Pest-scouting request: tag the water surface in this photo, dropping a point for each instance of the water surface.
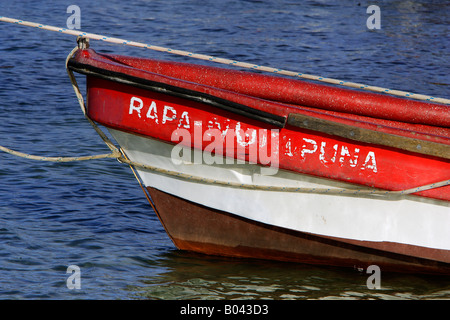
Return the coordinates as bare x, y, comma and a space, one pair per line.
94, 214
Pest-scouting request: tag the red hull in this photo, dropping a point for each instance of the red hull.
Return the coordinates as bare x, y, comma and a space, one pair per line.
158, 112
300, 93
339, 135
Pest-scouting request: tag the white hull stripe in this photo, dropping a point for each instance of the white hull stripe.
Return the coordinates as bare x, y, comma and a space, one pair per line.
402, 219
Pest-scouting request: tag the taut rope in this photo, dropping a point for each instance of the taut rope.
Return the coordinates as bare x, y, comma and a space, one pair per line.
226, 61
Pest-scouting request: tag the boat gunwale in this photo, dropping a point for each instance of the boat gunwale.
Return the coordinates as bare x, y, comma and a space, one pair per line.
295, 117
160, 87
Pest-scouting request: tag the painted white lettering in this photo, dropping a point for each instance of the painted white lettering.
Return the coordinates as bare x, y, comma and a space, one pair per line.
134, 107
335, 147
152, 112
344, 153
288, 151
322, 152
313, 144
354, 161
214, 124
166, 117
370, 162
184, 120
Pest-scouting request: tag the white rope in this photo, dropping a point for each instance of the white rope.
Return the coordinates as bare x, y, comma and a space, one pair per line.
226, 61
114, 154
80, 99
57, 159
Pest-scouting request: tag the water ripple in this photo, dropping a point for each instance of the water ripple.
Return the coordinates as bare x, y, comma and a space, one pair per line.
94, 214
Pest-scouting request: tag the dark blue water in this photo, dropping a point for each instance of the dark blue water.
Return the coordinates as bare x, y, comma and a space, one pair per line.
94, 214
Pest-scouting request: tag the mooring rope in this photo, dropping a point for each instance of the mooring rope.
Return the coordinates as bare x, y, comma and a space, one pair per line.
115, 153
246, 65
121, 156
57, 159
73, 81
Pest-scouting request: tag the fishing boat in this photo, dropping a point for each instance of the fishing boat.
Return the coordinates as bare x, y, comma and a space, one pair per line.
250, 165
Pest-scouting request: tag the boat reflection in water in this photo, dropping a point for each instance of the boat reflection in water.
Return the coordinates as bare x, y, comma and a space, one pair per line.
191, 276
